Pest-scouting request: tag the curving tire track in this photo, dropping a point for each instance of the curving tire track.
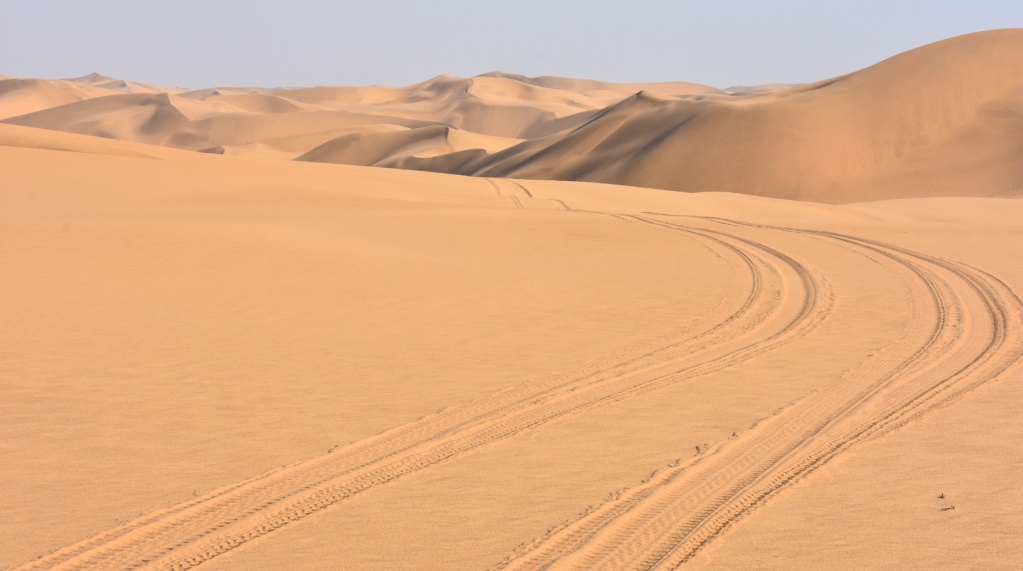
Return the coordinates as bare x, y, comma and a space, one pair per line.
972, 330
520, 186
493, 184
518, 193
781, 301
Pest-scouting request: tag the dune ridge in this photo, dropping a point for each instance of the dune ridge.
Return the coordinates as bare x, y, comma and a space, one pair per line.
944, 119
24, 96
253, 120
884, 132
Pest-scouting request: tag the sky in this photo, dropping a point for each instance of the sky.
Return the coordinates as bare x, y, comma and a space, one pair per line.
188, 43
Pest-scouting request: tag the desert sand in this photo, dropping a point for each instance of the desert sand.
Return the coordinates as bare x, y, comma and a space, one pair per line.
274, 354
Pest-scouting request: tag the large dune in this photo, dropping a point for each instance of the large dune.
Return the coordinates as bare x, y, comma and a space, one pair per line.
290, 122
891, 130
942, 120
23, 96
394, 148
26, 137
96, 79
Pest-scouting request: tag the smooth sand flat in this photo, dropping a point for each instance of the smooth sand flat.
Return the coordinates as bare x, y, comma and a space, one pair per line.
152, 337
262, 364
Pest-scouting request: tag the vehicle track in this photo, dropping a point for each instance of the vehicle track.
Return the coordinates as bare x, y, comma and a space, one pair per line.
781, 300
971, 332
520, 186
493, 184
514, 198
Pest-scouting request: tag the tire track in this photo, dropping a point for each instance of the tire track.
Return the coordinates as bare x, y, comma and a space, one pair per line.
665, 520
520, 186
512, 198
494, 186
784, 301
561, 203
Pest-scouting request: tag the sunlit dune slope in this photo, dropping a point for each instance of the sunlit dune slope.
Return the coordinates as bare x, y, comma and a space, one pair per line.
942, 120
105, 82
23, 96
27, 137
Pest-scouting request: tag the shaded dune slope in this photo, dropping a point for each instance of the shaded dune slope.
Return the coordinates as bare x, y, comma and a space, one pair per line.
22, 96
945, 119
890, 130
398, 148
145, 118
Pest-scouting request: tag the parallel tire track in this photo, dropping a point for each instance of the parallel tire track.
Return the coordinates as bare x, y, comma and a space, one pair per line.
784, 301
524, 189
972, 330
494, 186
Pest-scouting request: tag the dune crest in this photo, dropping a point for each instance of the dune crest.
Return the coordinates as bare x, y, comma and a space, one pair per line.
889, 131
939, 120
23, 96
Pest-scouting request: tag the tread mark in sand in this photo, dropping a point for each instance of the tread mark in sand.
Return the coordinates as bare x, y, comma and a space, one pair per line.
783, 301
665, 520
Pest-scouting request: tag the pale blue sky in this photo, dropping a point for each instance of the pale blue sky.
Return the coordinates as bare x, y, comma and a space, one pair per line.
196, 44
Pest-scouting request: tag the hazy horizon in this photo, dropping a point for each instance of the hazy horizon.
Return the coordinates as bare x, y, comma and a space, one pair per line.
196, 45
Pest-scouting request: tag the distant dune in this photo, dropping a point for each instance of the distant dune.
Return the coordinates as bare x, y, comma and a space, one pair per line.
892, 130
399, 147
23, 96
105, 82
25, 137
945, 119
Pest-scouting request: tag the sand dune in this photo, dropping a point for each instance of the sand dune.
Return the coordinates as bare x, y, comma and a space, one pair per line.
26, 137
497, 105
218, 91
760, 89
166, 119
392, 148
23, 96
596, 88
241, 120
485, 105
940, 120
105, 82
262, 103
832, 141
234, 360
142, 117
